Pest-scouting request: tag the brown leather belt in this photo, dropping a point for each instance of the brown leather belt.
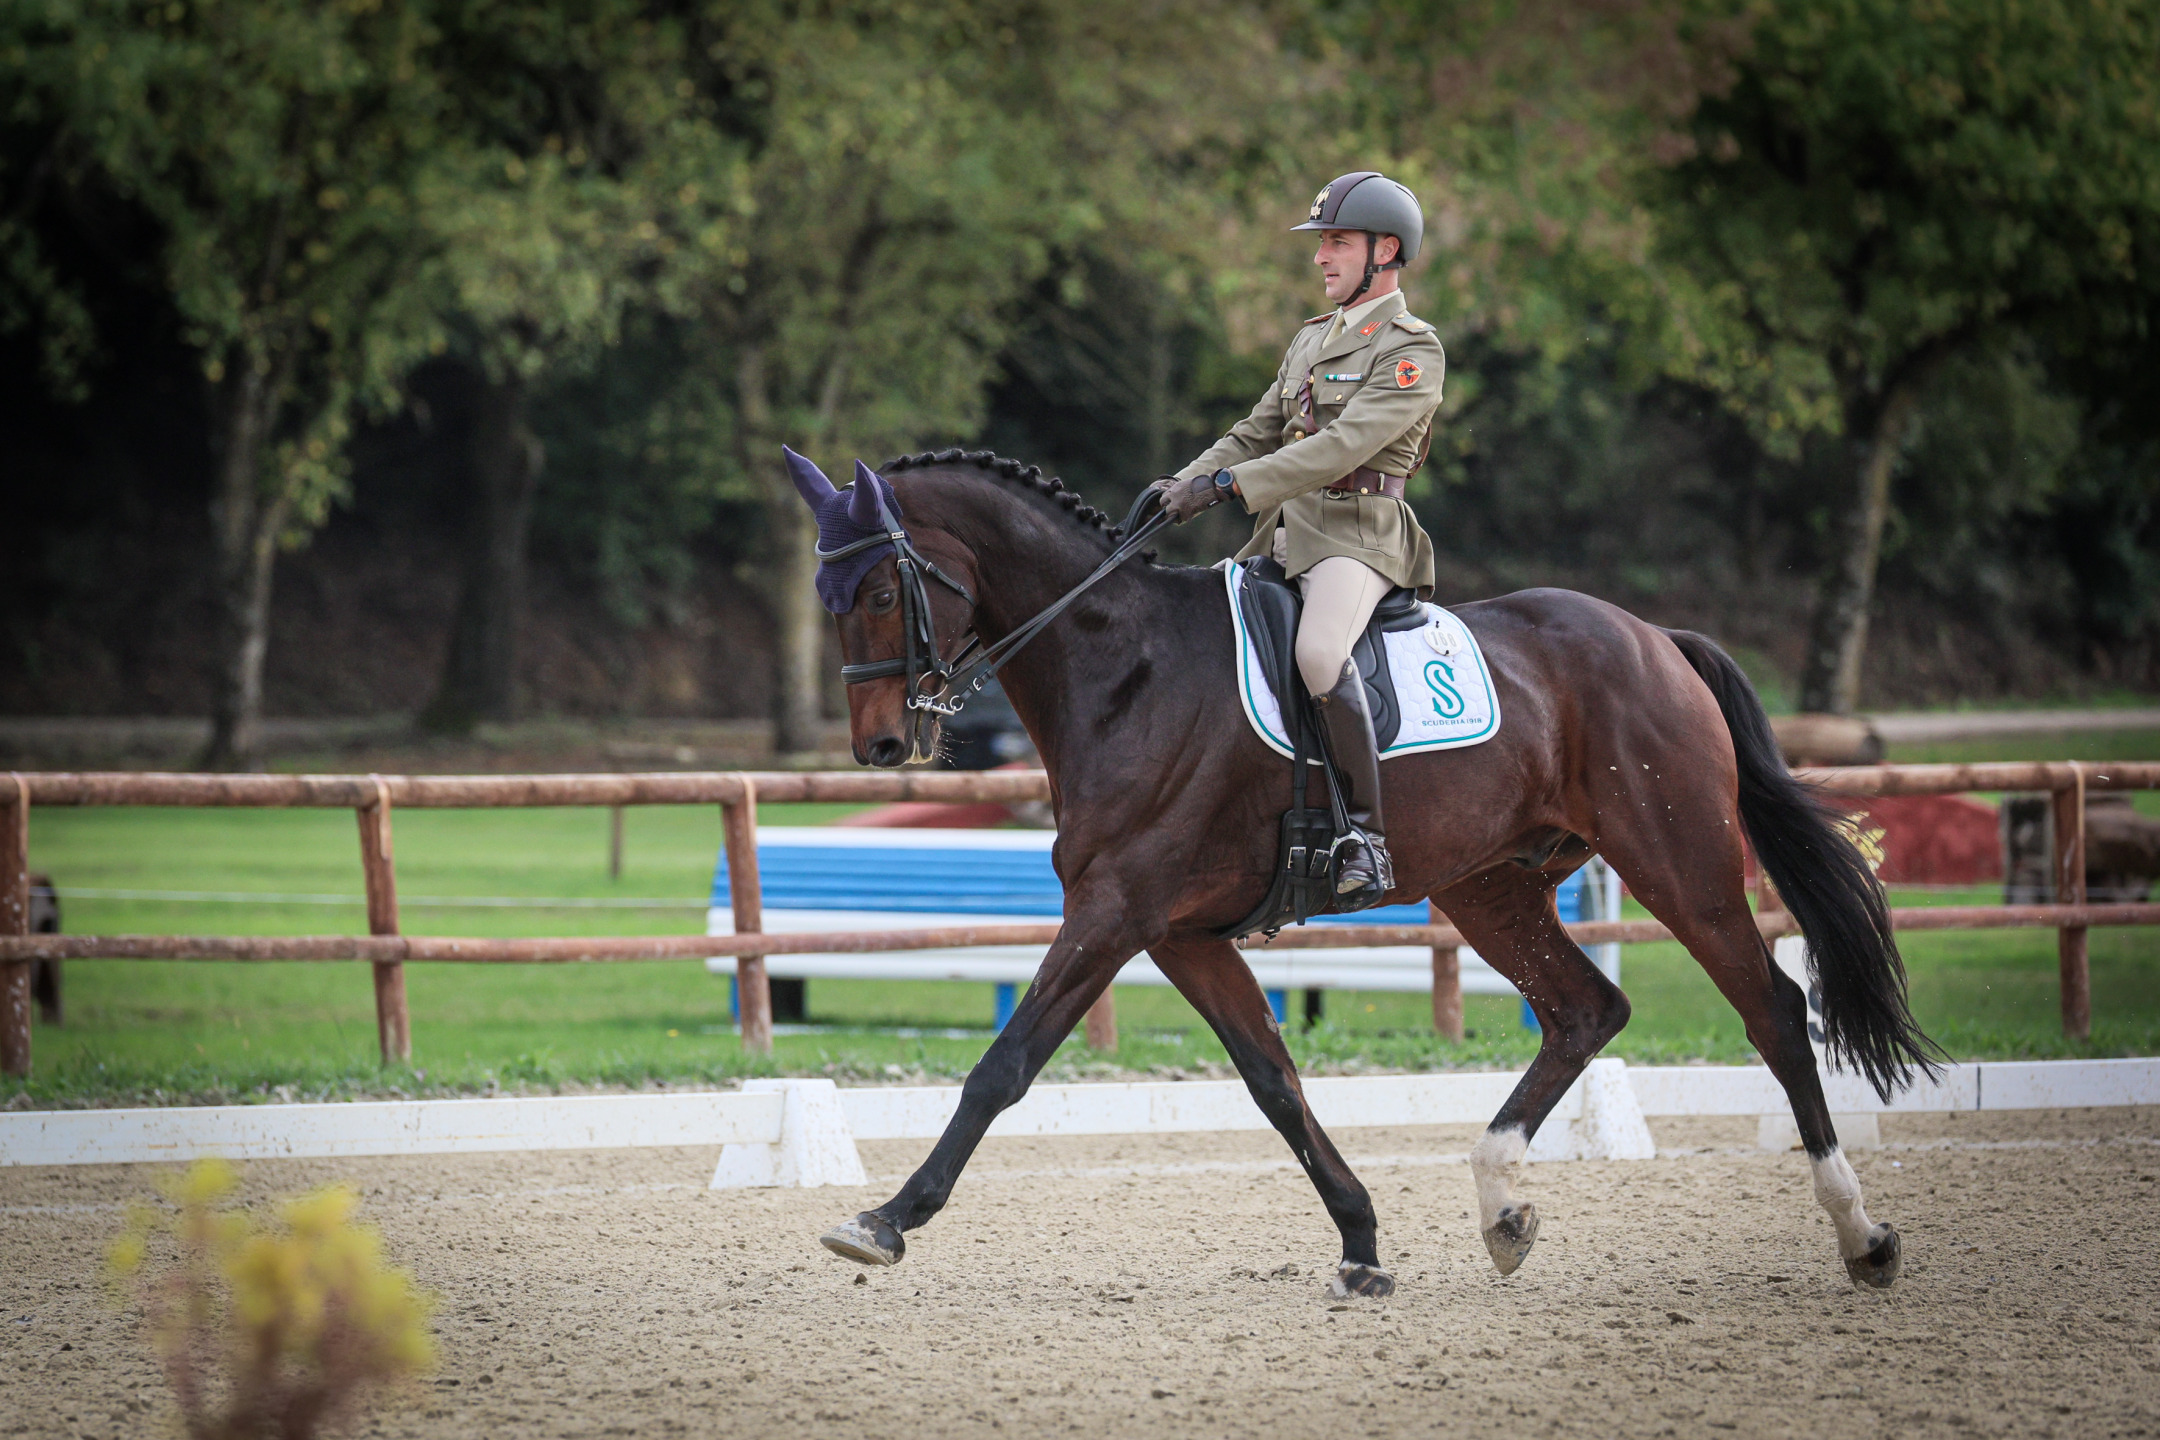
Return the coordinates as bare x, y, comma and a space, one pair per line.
1367, 481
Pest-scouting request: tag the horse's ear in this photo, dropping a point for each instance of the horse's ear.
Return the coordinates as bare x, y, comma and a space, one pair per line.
863, 505
810, 482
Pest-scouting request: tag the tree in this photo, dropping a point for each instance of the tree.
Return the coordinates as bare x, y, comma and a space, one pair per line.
1886, 186
581, 175
912, 171
271, 152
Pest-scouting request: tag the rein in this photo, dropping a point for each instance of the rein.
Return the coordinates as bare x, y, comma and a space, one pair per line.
938, 689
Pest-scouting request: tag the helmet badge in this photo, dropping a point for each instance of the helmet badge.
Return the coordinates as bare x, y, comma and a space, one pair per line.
1320, 201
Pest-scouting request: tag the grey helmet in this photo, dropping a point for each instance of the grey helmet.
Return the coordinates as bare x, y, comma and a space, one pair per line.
1367, 200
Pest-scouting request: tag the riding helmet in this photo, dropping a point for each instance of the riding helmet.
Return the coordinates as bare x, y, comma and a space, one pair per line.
1369, 201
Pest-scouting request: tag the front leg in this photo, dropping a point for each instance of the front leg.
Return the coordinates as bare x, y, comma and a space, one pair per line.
1215, 979
1097, 939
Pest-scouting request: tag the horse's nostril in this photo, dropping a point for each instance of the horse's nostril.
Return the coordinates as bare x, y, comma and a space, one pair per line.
887, 752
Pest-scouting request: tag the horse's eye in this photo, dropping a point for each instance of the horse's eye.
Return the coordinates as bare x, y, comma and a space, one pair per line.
882, 602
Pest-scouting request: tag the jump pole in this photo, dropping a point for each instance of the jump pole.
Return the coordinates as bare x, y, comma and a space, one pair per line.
2071, 948
1447, 1021
753, 990
1102, 1022
378, 866
15, 920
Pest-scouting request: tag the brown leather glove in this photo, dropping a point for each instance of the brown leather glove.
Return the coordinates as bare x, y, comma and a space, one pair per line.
1183, 499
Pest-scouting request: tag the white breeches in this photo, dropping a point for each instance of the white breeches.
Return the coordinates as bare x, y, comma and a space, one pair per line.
1340, 594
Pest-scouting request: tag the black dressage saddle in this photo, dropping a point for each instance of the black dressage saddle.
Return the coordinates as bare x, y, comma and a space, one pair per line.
1304, 879
1271, 606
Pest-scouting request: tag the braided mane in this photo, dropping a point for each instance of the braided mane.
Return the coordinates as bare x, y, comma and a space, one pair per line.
1014, 473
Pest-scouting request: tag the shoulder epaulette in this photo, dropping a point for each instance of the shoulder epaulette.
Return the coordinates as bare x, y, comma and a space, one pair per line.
1411, 323
1323, 315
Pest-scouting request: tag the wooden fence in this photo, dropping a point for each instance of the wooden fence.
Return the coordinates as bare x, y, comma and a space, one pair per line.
373, 798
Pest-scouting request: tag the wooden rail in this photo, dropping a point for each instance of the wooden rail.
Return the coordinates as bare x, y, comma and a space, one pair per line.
388, 949
373, 798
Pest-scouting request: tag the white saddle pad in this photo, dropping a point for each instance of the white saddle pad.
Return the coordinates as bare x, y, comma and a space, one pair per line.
1441, 683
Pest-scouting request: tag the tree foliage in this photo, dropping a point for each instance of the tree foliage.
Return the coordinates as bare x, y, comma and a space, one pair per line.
1814, 285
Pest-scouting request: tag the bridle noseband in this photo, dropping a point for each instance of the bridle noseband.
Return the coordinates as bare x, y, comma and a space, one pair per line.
938, 689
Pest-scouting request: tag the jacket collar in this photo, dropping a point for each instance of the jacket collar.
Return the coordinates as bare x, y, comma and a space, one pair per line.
1359, 333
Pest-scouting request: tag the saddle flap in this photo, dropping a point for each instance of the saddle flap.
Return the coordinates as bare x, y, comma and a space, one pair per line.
1270, 606
1272, 603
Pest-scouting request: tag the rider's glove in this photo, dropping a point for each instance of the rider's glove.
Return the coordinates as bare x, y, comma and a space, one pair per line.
1183, 499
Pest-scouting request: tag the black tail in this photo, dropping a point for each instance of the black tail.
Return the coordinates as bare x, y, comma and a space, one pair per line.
1826, 883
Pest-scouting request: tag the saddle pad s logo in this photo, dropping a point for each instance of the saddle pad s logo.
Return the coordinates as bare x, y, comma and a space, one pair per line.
1406, 373
1447, 701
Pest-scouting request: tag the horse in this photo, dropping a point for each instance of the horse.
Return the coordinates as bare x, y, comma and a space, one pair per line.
1644, 745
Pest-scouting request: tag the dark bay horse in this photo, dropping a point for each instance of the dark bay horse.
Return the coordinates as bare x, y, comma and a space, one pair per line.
1618, 738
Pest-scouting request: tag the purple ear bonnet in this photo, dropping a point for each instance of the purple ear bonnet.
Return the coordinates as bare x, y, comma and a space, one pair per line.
843, 517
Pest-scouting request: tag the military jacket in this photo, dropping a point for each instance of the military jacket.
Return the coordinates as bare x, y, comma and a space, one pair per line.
1375, 393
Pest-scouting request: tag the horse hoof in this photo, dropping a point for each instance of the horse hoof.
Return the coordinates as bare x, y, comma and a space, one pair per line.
1509, 1238
1885, 1258
1369, 1281
869, 1238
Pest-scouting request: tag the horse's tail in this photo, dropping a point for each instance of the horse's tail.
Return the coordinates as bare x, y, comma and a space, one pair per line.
1806, 846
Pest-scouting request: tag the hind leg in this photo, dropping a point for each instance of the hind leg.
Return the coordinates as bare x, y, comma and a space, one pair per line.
1210, 974
1697, 891
1507, 913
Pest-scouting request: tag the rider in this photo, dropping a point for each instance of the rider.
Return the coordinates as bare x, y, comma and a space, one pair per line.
1321, 463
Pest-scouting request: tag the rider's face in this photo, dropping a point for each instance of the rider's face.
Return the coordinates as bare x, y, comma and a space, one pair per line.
1341, 258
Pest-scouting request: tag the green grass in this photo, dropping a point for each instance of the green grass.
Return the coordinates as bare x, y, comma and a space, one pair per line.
152, 1032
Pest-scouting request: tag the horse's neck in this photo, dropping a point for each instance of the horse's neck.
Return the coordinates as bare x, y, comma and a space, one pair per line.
1061, 683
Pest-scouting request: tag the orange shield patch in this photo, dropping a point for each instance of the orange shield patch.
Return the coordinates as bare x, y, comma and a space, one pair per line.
1406, 373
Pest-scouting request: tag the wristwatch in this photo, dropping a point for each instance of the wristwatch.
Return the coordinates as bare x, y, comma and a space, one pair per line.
1225, 480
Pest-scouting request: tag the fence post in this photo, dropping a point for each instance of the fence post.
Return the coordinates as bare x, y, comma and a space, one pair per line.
745, 895
15, 920
393, 1021
1102, 1022
1446, 982
2070, 941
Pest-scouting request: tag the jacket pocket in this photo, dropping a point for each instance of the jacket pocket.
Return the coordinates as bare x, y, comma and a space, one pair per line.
1334, 394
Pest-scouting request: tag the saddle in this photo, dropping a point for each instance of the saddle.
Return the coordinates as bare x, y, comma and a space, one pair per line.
1272, 604
1304, 877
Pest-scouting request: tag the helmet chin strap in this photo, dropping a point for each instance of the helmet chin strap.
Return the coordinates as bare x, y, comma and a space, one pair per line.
1371, 270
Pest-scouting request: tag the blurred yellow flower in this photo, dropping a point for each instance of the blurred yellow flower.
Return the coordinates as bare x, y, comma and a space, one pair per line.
300, 1311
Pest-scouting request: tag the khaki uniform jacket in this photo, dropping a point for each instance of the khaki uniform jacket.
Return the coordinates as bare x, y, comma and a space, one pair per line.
1375, 391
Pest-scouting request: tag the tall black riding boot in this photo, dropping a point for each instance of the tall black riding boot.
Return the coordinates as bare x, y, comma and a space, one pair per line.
1366, 873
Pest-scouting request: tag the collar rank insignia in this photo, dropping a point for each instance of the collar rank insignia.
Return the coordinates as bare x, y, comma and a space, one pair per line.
1372, 327
1406, 374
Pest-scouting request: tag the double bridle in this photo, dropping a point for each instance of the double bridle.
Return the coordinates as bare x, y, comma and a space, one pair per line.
937, 688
